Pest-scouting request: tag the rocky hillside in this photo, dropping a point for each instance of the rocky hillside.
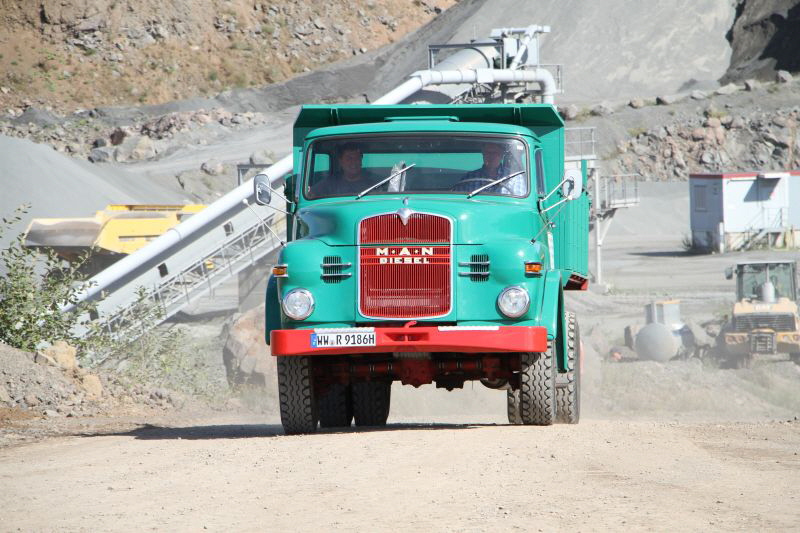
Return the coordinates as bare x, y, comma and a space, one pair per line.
88, 53
738, 127
765, 37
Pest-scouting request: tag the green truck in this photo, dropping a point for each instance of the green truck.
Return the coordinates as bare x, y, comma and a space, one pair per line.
427, 244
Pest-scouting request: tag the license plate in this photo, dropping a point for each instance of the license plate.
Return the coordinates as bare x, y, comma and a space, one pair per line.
342, 339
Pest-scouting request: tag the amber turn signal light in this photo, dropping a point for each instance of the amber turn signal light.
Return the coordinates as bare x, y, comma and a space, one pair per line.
280, 271
532, 267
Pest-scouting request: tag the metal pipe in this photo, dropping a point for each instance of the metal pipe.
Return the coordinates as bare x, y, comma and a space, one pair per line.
424, 78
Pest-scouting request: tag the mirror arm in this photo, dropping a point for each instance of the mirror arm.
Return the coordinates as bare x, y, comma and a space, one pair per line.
282, 197
558, 203
264, 222
556, 188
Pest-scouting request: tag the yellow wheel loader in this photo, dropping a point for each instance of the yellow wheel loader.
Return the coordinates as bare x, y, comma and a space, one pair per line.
765, 318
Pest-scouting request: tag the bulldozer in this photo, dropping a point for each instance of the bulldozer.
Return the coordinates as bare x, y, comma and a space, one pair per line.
765, 319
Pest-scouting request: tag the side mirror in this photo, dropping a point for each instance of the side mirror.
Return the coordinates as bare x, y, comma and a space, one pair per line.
262, 189
729, 273
572, 186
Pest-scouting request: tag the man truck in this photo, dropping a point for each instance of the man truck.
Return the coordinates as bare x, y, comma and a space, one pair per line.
427, 244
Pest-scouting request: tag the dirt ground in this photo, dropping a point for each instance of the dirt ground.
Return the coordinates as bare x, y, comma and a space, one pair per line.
236, 475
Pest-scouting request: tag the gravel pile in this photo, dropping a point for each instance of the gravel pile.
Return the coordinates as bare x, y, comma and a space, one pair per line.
37, 384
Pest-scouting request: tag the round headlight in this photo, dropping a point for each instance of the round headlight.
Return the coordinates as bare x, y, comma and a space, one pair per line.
298, 304
514, 302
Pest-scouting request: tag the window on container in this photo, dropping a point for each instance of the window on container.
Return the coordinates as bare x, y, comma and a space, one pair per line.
700, 201
539, 173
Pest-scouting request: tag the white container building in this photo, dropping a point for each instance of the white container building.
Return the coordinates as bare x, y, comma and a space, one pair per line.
738, 211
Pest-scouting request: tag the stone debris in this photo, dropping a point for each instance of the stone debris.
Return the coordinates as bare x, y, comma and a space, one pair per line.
63, 354
783, 76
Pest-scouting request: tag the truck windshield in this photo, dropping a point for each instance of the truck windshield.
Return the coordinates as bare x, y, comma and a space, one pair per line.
752, 277
441, 164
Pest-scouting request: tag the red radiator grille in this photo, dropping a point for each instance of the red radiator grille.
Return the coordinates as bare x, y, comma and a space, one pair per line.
404, 280
420, 228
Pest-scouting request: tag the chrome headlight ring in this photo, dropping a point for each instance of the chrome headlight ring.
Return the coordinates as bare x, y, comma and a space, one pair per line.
514, 301
298, 304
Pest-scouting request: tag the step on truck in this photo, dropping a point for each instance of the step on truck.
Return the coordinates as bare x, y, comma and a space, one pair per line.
427, 244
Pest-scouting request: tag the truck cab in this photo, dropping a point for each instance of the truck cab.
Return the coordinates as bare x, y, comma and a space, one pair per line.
427, 244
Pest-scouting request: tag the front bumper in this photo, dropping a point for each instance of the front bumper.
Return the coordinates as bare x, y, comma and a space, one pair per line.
462, 339
764, 342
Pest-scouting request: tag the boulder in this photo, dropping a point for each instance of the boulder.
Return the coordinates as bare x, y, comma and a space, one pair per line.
698, 95
783, 76
712, 122
752, 85
698, 134
92, 385
135, 148
737, 122
262, 157
212, 167
31, 400
727, 89
667, 99
62, 354
602, 109
636, 103
569, 112
245, 354
100, 155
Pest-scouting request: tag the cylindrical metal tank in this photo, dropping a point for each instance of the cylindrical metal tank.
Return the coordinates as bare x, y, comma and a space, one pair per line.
655, 342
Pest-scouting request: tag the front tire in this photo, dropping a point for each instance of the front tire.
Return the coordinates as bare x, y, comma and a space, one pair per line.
296, 395
568, 388
538, 387
371, 401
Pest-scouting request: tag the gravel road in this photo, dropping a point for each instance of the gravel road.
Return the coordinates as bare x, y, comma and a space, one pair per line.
243, 476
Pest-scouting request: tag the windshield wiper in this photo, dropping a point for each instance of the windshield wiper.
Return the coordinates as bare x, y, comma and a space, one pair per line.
495, 182
384, 180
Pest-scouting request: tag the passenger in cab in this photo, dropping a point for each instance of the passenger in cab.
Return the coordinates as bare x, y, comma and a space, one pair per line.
498, 161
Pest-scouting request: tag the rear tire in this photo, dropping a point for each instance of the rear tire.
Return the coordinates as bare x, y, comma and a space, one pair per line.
537, 392
568, 386
335, 407
512, 406
296, 394
371, 400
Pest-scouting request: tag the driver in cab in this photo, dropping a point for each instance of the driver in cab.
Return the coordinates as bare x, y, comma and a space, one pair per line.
497, 163
348, 176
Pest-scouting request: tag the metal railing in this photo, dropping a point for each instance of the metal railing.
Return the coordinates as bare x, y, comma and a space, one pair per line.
767, 222
616, 191
239, 251
580, 143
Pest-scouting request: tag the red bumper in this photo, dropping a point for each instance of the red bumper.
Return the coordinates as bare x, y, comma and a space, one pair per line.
464, 339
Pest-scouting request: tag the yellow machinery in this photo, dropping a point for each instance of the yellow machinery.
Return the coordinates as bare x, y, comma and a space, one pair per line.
765, 318
112, 233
